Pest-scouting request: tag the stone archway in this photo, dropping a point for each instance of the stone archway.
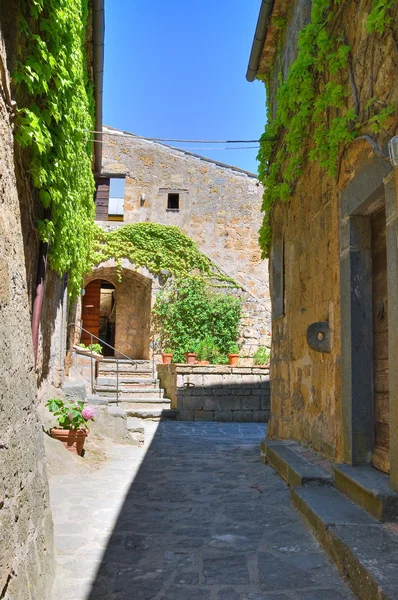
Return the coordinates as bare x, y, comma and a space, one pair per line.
133, 294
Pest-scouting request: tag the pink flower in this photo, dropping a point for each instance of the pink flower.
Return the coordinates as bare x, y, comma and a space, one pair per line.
88, 413
70, 416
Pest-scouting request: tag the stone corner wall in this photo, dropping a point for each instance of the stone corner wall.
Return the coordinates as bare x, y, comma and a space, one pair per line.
26, 548
217, 392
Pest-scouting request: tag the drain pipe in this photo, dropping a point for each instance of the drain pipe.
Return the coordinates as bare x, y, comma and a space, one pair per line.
39, 296
259, 38
98, 73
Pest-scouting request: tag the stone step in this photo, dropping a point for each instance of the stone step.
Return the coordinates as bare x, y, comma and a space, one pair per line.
136, 430
127, 382
131, 393
141, 403
145, 405
363, 549
285, 457
154, 414
369, 488
147, 375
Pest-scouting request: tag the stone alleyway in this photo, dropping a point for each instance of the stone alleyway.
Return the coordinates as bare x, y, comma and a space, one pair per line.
193, 516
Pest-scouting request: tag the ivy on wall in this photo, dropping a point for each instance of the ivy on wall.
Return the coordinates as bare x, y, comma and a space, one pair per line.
317, 111
187, 312
156, 247
56, 111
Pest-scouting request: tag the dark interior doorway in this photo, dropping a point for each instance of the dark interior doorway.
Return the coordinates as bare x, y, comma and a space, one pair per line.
99, 314
107, 316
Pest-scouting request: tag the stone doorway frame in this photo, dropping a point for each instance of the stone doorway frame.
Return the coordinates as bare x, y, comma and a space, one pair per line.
372, 185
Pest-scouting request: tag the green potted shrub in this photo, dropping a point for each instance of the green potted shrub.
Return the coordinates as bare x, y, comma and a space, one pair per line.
72, 423
190, 354
233, 354
206, 350
262, 356
167, 355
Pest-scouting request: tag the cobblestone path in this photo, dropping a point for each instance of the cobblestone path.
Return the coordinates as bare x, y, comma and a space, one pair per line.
201, 518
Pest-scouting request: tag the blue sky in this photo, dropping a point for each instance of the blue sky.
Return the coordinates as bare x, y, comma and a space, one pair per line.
177, 69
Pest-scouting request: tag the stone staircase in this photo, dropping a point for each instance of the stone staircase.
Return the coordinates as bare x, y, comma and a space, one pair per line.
140, 395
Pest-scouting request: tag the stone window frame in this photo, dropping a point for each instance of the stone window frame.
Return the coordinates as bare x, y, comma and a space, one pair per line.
372, 186
181, 193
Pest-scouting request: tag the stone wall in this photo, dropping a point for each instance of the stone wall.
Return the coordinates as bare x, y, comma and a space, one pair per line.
306, 398
219, 205
134, 299
26, 546
217, 392
219, 209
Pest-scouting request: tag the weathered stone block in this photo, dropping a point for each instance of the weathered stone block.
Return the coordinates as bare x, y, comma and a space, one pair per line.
250, 403
223, 416
204, 415
243, 416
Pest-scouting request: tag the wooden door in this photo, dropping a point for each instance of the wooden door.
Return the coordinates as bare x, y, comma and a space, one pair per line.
381, 450
91, 310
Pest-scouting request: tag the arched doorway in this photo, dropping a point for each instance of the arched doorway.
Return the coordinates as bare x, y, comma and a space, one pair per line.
99, 314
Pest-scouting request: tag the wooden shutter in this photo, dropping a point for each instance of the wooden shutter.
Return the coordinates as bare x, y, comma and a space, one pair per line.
102, 199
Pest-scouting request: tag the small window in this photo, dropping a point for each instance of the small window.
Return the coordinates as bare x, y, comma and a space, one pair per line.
116, 199
173, 201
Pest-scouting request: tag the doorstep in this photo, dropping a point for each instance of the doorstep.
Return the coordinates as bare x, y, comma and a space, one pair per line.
369, 488
344, 506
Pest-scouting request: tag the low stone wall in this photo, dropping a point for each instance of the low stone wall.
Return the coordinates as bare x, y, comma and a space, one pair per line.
217, 392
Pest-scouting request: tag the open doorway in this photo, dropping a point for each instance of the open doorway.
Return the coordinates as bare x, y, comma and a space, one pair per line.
99, 314
107, 316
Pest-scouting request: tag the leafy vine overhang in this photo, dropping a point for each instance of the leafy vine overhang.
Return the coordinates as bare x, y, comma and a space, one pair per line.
55, 112
316, 110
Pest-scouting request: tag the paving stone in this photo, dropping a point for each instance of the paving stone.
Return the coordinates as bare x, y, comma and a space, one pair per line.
193, 515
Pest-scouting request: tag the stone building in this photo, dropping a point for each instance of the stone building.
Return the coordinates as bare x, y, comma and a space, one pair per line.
26, 529
216, 205
333, 250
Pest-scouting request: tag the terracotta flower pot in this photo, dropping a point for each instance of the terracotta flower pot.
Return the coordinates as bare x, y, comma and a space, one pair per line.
202, 362
166, 357
72, 439
233, 359
190, 358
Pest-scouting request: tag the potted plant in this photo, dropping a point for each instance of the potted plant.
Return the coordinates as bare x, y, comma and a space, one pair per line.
72, 423
190, 355
233, 354
167, 355
205, 350
262, 356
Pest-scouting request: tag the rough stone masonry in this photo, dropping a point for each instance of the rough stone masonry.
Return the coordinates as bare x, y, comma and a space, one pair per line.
26, 537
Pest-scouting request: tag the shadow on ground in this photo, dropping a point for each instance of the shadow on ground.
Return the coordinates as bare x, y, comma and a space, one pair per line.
204, 519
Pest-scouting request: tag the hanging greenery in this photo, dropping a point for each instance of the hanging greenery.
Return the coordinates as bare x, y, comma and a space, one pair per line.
56, 111
316, 110
156, 247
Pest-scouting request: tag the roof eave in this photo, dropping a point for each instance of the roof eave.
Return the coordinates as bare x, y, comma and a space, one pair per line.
259, 38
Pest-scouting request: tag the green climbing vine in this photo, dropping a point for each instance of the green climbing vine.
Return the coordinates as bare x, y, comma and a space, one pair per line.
317, 111
158, 248
56, 111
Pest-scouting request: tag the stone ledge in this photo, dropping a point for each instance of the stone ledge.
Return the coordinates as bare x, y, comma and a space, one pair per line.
292, 466
361, 548
183, 368
369, 488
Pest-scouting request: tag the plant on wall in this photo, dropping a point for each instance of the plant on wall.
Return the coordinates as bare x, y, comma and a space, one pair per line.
159, 248
56, 112
316, 111
187, 312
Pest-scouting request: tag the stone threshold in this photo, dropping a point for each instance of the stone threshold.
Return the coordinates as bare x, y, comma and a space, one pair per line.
345, 507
